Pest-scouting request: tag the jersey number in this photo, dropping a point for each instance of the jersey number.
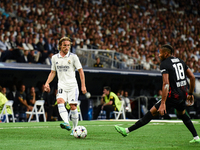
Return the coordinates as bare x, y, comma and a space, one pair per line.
179, 71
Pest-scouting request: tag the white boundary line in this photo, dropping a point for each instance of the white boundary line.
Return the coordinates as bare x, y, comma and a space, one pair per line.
120, 120
163, 121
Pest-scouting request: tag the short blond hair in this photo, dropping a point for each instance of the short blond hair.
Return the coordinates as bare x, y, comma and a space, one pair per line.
63, 39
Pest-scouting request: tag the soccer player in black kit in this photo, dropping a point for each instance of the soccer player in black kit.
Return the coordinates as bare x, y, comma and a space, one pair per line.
175, 94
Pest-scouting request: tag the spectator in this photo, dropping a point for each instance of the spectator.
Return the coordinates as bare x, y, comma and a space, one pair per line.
43, 51
123, 64
81, 46
3, 100
31, 96
73, 47
48, 59
19, 43
35, 47
29, 44
12, 93
127, 109
24, 58
20, 104
41, 94
147, 65
98, 63
48, 46
31, 57
109, 103
24, 45
3, 91
3, 51
54, 43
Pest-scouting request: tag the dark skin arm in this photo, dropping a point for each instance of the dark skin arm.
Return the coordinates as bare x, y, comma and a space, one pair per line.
165, 90
190, 98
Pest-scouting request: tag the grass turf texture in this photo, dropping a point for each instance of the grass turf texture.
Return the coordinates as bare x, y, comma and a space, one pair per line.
101, 136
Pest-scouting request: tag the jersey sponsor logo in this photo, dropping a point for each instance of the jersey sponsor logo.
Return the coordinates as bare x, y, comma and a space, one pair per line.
62, 68
175, 60
181, 83
72, 100
56, 62
162, 70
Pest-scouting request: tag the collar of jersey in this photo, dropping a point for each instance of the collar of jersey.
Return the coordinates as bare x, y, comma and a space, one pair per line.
67, 55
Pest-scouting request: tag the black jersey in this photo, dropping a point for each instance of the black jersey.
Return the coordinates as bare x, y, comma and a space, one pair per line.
176, 68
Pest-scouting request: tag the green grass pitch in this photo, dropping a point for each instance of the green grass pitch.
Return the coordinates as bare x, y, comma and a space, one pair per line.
101, 136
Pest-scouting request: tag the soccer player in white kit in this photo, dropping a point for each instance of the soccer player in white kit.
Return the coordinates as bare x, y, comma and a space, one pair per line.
65, 63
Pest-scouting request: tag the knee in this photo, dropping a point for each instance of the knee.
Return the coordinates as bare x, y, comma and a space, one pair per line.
60, 101
185, 118
73, 106
181, 114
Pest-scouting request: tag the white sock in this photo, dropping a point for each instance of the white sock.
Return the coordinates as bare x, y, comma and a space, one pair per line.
196, 137
127, 131
74, 117
63, 113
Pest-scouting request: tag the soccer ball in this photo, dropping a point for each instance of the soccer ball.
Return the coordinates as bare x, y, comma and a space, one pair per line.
87, 95
80, 132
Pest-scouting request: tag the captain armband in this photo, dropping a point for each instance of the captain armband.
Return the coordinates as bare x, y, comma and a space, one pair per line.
167, 86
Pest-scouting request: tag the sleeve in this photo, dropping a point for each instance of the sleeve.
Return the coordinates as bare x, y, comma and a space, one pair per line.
112, 98
53, 66
77, 62
163, 68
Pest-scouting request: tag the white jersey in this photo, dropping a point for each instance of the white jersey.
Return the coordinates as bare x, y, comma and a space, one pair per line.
65, 67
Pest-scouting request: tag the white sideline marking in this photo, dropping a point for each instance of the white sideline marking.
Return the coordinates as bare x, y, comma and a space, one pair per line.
155, 122
25, 127
162, 121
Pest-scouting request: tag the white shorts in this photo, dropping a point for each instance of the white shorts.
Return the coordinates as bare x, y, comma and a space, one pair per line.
68, 96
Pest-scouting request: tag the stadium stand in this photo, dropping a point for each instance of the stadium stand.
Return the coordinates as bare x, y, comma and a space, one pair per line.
124, 34
133, 28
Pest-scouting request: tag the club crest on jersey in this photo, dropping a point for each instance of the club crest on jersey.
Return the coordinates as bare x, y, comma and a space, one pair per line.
56, 62
69, 62
72, 100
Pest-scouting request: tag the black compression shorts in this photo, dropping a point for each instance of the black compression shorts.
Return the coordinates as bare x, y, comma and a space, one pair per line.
179, 105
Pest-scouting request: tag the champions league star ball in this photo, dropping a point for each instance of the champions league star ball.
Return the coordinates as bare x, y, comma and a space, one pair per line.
80, 132
87, 95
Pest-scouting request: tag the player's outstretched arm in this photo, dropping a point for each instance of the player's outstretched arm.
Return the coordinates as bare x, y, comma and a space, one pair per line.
82, 77
165, 90
51, 76
190, 98
191, 76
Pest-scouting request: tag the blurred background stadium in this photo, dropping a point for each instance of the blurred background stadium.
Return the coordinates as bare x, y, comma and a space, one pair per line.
125, 35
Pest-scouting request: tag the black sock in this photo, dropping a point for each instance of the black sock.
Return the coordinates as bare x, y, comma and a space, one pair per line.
144, 120
188, 123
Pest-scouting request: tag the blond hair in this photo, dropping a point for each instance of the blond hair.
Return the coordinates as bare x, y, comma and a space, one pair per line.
63, 39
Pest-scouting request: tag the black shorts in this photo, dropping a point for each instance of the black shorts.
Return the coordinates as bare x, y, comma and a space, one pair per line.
179, 105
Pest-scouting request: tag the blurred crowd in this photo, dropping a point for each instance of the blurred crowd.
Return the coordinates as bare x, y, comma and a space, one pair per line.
30, 29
